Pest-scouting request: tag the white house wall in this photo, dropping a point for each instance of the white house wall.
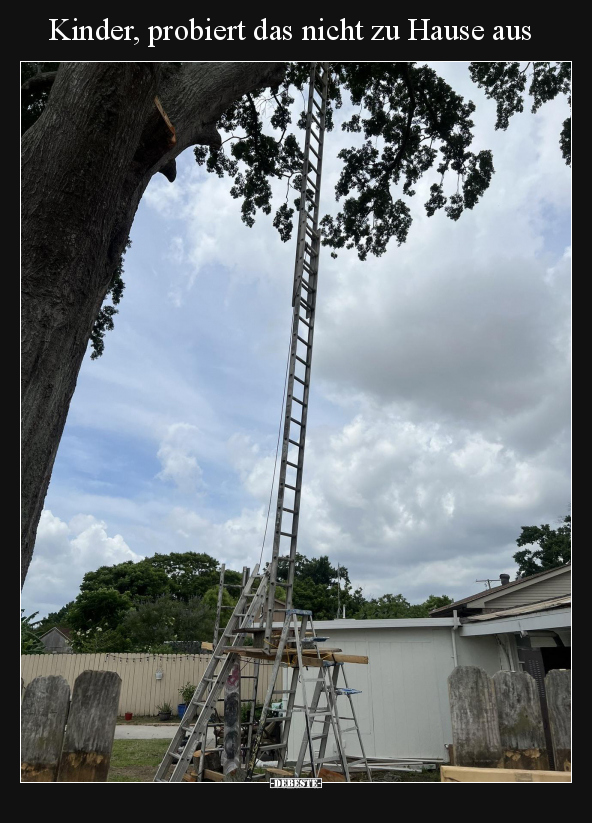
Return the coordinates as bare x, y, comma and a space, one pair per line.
403, 710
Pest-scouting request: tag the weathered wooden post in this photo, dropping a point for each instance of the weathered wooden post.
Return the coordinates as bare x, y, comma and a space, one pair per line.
231, 756
520, 721
558, 688
475, 731
43, 719
91, 727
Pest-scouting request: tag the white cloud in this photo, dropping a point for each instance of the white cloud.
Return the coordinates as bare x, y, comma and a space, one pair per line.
177, 455
64, 552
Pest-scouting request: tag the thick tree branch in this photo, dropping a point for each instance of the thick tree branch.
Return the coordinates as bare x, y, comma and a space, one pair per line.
38, 81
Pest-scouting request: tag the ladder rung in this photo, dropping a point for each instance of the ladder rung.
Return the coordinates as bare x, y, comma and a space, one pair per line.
294, 465
351, 728
313, 711
307, 286
314, 185
299, 380
287, 485
302, 403
313, 133
311, 165
306, 343
317, 121
286, 534
302, 320
284, 691
301, 360
318, 105
319, 736
293, 419
286, 509
313, 151
272, 746
294, 442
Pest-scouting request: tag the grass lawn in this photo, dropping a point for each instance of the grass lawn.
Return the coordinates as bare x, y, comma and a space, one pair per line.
135, 761
148, 720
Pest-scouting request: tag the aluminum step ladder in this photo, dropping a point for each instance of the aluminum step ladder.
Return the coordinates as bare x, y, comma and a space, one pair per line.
193, 726
328, 685
295, 640
304, 297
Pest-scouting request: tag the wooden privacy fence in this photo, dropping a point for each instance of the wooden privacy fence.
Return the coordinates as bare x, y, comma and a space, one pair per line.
141, 691
497, 721
69, 742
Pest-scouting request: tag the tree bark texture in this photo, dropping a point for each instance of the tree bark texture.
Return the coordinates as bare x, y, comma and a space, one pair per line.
85, 166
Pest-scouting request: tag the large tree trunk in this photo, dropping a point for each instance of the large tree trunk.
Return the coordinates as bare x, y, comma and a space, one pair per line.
86, 163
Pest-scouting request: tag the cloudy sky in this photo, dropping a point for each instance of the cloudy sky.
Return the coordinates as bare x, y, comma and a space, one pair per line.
439, 410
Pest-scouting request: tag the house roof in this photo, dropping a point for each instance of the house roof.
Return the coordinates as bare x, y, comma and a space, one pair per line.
542, 605
494, 591
63, 630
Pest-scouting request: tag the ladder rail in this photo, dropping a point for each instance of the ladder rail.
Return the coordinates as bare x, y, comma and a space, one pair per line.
205, 696
307, 258
219, 605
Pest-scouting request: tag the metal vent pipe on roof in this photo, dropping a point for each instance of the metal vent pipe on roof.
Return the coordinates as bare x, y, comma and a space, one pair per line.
505, 579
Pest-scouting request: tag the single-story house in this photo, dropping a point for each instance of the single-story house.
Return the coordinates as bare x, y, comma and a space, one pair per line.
57, 640
403, 710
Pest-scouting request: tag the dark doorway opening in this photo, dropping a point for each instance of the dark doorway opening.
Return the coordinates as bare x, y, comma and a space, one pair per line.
558, 657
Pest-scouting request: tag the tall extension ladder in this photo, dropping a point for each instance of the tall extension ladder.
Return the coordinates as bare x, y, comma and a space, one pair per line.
192, 730
303, 319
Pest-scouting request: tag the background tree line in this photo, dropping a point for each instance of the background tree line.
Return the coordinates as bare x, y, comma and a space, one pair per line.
137, 607
144, 606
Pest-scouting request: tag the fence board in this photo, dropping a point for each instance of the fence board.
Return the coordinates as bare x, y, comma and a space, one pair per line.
520, 721
43, 717
453, 774
91, 727
142, 694
558, 688
473, 709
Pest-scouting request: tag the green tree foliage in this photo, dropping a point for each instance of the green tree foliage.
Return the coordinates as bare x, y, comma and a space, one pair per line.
554, 547
506, 84
393, 606
55, 619
104, 321
182, 575
30, 642
140, 607
413, 123
103, 608
320, 587
149, 626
